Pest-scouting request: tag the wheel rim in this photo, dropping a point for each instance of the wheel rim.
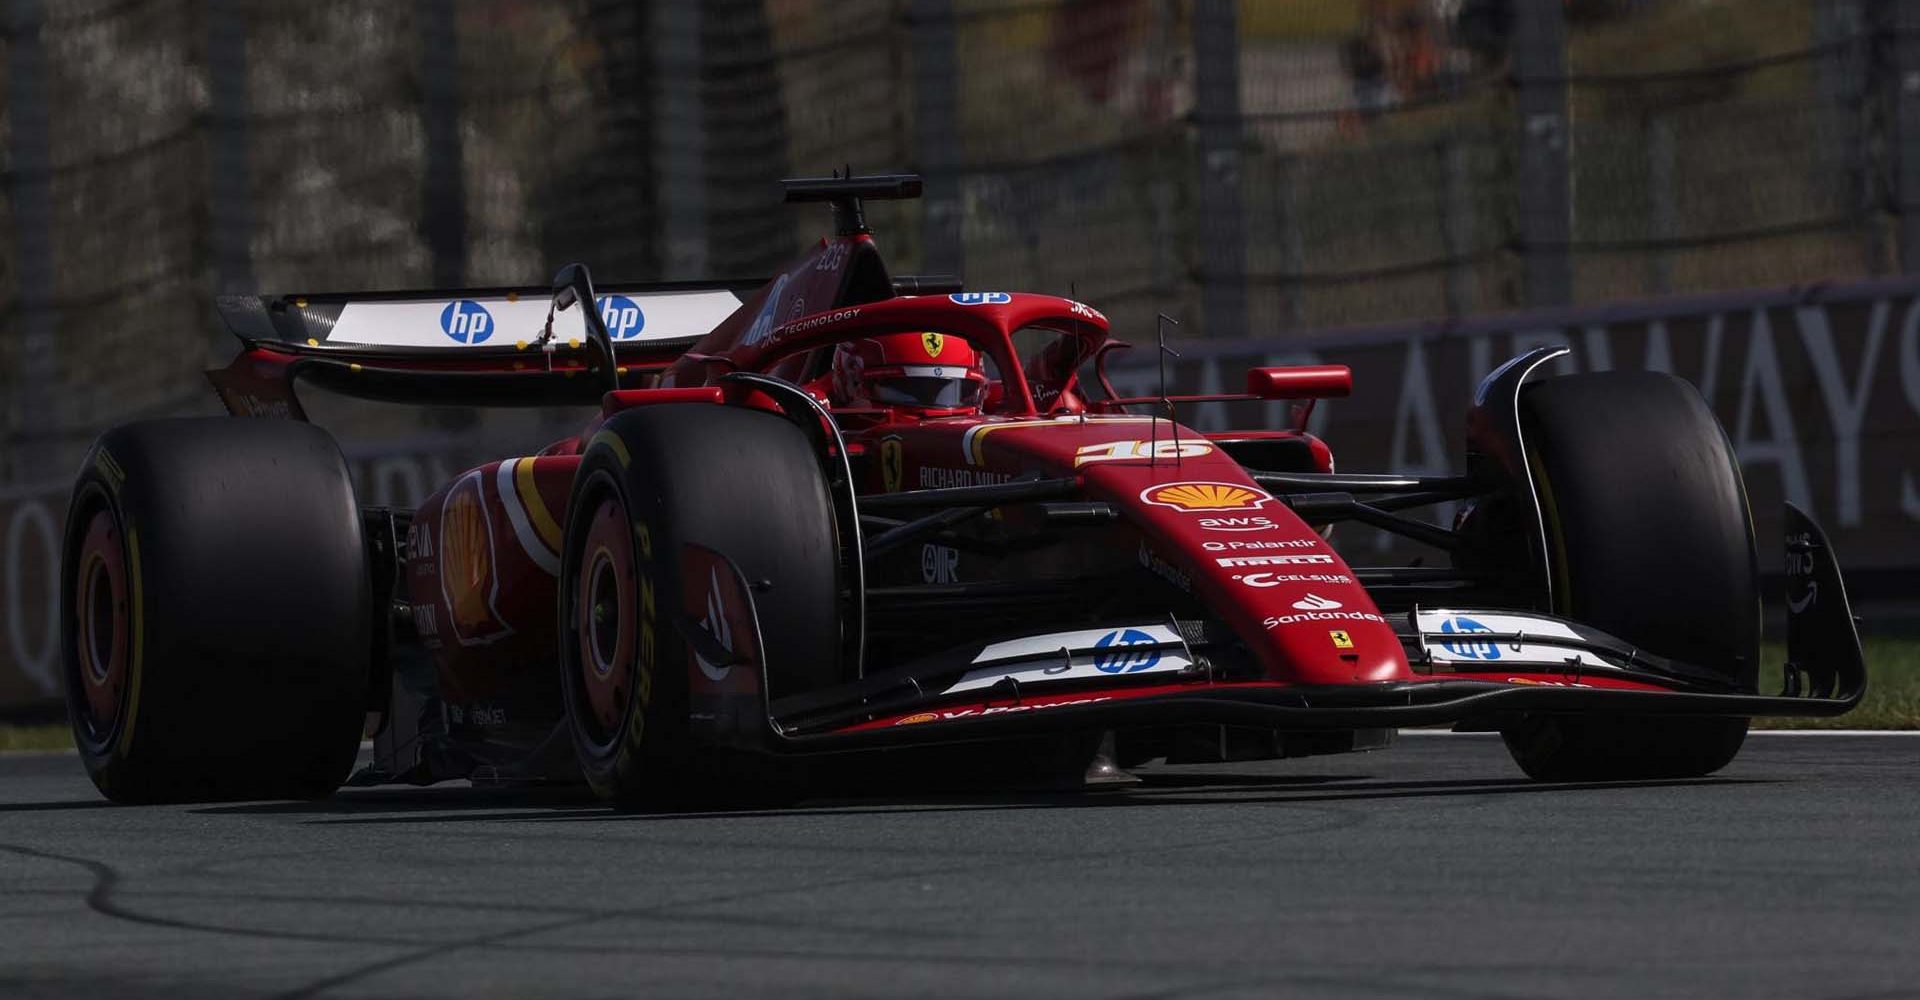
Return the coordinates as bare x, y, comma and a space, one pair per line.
604, 593
102, 619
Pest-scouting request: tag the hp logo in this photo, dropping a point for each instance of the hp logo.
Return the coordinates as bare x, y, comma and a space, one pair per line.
623, 317
1467, 650
1120, 652
981, 298
467, 322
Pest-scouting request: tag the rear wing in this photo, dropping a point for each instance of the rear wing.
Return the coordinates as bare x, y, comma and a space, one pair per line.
462, 319
530, 346
478, 346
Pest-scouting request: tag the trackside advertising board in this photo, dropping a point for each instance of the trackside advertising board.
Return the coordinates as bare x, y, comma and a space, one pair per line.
1818, 388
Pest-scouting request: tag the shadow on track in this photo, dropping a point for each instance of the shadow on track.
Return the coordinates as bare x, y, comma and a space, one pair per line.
566, 804
12, 807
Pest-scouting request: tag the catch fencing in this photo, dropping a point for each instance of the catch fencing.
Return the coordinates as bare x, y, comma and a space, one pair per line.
1818, 388
1264, 172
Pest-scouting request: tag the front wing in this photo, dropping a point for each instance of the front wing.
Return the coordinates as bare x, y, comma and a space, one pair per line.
1472, 668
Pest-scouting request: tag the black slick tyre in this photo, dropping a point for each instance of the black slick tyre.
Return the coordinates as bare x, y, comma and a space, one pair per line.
1650, 539
215, 612
740, 482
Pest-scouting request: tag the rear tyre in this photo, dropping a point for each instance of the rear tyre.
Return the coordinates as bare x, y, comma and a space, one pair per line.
1649, 538
215, 612
741, 482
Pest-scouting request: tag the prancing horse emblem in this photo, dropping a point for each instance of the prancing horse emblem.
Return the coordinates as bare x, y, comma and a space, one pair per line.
891, 471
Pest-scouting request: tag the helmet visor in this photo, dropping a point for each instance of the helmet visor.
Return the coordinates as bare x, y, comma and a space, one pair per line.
926, 392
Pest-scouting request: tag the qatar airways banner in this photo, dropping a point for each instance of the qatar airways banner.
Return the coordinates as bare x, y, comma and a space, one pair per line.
1819, 390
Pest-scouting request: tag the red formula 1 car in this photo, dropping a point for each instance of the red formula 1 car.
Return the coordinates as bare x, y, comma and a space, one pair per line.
842, 516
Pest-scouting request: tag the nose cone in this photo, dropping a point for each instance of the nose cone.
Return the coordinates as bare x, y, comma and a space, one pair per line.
1289, 596
1253, 563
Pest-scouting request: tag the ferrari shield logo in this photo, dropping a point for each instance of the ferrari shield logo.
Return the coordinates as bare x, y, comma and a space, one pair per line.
891, 472
934, 343
1341, 640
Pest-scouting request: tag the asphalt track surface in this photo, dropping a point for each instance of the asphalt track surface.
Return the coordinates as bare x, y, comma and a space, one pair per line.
1428, 870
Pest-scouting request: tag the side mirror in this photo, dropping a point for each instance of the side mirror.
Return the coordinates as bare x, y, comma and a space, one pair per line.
1300, 382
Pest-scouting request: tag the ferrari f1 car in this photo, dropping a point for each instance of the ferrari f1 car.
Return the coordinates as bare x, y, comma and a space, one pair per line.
776, 542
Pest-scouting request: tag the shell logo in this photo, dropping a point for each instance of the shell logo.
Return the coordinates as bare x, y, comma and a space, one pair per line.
1204, 496
920, 717
468, 564
469, 579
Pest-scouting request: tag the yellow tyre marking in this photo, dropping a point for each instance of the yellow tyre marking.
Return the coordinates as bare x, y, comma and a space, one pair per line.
619, 447
134, 613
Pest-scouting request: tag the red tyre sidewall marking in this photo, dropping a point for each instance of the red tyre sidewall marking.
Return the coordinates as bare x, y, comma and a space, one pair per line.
608, 682
103, 671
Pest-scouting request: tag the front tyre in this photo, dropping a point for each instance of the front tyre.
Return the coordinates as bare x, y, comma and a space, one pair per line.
1649, 538
744, 483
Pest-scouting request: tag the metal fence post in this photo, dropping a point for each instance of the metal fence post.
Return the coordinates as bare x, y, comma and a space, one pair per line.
1661, 200
229, 214
1456, 226
936, 132
1853, 77
31, 418
1293, 251
1223, 233
680, 136
1168, 158
1546, 204
1903, 21
443, 205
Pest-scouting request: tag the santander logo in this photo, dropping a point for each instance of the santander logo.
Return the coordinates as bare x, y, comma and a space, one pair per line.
1314, 602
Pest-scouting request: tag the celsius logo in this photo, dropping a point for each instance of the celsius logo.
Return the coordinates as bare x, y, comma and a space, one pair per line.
1122, 652
1467, 650
623, 317
981, 298
1314, 602
466, 321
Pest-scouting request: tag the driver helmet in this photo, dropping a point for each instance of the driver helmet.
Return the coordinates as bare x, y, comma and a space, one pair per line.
931, 372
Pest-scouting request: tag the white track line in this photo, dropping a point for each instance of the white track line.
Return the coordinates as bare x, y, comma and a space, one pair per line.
1752, 732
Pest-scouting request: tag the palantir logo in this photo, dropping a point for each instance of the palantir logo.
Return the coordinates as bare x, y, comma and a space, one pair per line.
1458, 625
1123, 654
466, 321
623, 317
